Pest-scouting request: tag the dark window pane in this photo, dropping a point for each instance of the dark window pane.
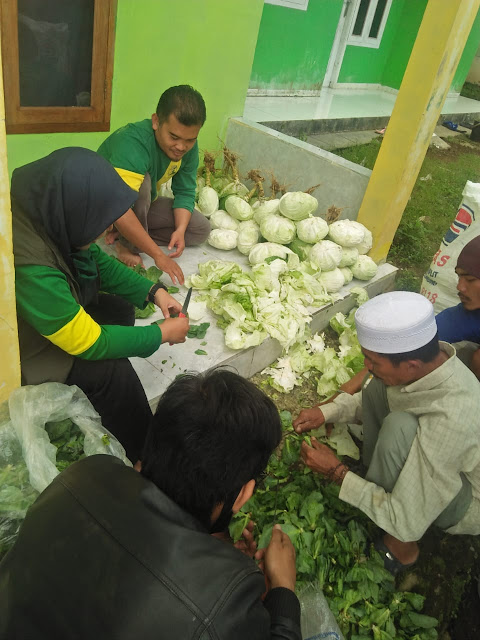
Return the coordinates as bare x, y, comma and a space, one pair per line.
55, 52
377, 18
360, 19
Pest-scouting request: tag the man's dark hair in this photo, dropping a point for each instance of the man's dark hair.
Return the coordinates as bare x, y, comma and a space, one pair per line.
186, 104
211, 433
427, 353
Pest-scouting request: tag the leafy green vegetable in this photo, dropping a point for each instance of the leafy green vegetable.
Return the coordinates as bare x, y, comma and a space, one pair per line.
198, 330
147, 312
105, 439
330, 539
173, 289
201, 352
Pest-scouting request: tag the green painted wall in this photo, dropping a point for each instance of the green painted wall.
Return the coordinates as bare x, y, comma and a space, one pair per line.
209, 44
363, 64
294, 46
468, 55
409, 22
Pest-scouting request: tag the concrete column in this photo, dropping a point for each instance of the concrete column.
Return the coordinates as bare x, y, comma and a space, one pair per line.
10, 358
440, 41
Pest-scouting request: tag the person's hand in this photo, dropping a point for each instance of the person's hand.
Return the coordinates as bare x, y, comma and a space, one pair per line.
308, 419
177, 241
165, 263
319, 457
174, 330
247, 544
278, 560
167, 303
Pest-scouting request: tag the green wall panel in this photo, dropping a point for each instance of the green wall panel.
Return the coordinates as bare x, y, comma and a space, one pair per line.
366, 65
468, 55
208, 44
294, 46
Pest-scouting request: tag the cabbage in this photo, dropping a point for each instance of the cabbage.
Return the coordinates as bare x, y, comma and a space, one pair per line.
297, 205
165, 190
302, 249
207, 201
283, 377
235, 338
223, 239
266, 276
312, 229
222, 220
366, 244
349, 256
277, 229
326, 255
364, 268
248, 236
332, 280
264, 209
260, 252
360, 294
347, 274
346, 233
234, 189
238, 208
200, 185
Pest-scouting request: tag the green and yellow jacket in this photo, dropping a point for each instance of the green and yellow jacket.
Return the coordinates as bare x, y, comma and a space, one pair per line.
53, 327
133, 151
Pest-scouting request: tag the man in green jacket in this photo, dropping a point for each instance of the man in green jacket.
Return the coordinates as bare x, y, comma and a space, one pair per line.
147, 154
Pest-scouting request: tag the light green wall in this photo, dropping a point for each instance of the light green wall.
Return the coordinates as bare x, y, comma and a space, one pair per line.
468, 55
206, 43
294, 46
364, 64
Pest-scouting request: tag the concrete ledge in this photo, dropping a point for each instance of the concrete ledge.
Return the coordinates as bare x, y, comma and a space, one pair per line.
299, 165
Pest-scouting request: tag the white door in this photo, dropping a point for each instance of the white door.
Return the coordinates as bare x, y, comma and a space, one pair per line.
361, 24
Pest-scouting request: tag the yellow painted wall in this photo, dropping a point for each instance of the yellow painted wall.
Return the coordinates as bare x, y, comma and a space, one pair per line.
10, 358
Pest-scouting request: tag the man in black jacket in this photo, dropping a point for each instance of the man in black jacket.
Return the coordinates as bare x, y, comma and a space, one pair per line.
107, 552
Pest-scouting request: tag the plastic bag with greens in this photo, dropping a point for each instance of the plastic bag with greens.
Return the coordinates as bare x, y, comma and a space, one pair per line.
44, 430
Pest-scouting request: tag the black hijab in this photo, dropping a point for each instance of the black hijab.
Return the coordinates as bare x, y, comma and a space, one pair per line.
73, 194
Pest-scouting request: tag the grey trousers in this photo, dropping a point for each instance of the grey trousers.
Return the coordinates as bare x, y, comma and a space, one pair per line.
387, 439
158, 220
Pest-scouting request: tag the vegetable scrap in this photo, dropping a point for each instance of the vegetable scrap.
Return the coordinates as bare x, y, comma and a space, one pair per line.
201, 352
198, 330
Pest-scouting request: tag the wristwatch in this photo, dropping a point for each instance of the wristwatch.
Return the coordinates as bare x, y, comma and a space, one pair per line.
154, 289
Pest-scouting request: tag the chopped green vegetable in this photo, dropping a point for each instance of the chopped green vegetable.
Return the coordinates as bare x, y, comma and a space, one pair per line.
164, 361
201, 352
106, 439
203, 343
147, 312
198, 330
173, 289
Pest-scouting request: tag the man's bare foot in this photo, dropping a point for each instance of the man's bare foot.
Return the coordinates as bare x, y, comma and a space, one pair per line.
126, 256
111, 236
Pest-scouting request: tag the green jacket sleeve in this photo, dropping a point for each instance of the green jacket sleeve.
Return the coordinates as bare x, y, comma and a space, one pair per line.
45, 301
117, 278
184, 182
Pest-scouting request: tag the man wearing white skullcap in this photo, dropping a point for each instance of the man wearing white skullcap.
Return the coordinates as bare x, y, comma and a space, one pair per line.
420, 411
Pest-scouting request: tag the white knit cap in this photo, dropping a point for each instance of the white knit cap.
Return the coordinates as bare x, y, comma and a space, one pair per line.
395, 322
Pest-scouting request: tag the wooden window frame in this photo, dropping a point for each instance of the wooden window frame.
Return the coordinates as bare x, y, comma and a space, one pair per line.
96, 117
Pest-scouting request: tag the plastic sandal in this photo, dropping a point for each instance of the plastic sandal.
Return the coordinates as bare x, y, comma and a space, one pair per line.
390, 562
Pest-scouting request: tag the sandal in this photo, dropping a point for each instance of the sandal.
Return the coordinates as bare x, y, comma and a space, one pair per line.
390, 562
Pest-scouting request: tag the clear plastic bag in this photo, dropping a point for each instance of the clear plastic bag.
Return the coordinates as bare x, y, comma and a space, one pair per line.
317, 621
27, 457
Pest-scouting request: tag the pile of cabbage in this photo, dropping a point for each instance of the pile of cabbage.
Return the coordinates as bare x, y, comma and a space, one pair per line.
335, 252
310, 356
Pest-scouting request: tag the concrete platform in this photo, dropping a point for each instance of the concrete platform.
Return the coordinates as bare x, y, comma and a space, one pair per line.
157, 371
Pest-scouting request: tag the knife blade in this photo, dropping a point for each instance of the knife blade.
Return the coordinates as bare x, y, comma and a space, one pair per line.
183, 312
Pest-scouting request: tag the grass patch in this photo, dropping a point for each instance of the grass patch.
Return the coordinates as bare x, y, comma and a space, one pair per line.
432, 205
470, 90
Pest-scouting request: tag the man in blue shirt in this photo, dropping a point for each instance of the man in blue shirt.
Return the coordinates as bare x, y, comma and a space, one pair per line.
463, 321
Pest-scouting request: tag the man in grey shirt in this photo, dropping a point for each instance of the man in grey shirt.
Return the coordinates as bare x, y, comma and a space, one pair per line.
420, 411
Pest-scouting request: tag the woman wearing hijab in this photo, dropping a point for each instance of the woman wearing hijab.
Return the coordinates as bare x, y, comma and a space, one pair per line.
69, 332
